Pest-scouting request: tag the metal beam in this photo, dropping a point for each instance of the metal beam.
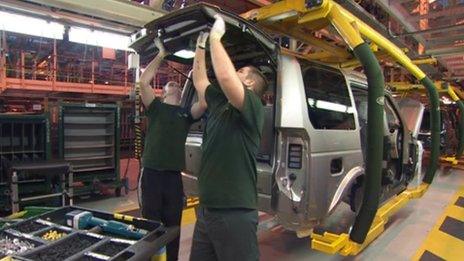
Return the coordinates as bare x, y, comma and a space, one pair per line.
396, 10
459, 67
444, 40
436, 30
448, 12
119, 11
447, 51
457, 59
457, 77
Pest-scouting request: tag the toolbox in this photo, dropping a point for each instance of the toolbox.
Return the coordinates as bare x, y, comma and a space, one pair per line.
52, 236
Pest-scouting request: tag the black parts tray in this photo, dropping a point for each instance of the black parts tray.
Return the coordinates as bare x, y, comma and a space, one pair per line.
85, 245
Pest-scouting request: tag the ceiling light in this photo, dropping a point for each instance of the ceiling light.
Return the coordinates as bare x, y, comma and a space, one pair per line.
186, 54
30, 25
330, 106
99, 38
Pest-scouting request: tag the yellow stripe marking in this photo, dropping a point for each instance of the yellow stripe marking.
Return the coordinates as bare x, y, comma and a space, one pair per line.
440, 243
188, 216
456, 212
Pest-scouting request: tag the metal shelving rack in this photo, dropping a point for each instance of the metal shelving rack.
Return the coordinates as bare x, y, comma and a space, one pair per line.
23, 138
89, 138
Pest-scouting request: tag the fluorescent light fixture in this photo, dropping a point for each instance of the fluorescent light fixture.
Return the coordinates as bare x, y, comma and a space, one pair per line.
30, 25
99, 38
330, 106
186, 54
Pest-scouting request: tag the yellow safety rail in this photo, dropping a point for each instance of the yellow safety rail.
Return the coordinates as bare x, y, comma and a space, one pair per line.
333, 243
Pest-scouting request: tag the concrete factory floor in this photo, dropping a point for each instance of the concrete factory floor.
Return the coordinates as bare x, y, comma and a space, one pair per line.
404, 237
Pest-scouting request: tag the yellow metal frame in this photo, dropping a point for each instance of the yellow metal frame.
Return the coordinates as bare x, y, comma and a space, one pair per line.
332, 243
350, 27
294, 14
407, 86
451, 160
425, 61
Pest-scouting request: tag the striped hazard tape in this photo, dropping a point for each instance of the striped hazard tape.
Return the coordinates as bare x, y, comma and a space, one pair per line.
446, 240
192, 201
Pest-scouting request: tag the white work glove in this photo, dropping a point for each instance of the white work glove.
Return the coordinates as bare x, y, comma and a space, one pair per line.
160, 46
201, 40
219, 28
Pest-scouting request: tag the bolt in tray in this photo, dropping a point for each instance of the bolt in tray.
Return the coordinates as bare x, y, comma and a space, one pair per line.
11, 242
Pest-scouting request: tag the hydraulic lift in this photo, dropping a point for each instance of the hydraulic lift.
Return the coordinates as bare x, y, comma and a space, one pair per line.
294, 18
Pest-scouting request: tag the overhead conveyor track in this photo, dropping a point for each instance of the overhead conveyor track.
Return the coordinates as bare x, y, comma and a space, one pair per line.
315, 15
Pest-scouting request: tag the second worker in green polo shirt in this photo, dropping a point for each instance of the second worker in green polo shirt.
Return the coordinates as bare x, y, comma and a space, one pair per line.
227, 218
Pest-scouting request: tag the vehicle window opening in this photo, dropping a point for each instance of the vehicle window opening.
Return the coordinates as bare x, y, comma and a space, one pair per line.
328, 99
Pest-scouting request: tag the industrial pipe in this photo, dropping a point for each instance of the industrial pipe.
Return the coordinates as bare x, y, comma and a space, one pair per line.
349, 30
432, 93
434, 129
375, 114
460, 149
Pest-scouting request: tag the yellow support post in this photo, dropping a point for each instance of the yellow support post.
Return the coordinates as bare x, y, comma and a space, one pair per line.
406, 86
459, 93
425, 61
451, 160
280, 10
386, 45
452, 94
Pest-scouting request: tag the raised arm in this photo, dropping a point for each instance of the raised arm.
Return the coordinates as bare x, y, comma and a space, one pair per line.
146, 91
224, 69
200, 78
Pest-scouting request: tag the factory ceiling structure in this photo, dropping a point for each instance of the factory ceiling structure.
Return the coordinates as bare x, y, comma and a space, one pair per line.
437, 25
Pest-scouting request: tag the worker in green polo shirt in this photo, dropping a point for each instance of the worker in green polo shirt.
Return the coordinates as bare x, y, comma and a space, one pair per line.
227, 218
160, 185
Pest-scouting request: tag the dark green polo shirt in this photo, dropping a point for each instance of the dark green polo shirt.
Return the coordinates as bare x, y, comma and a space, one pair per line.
228, 167
168, 126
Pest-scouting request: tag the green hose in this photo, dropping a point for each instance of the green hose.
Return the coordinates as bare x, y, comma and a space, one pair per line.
375, 135
460, 129
434, 128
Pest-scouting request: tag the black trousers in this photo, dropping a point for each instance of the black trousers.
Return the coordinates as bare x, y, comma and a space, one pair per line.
225, 235
161, 197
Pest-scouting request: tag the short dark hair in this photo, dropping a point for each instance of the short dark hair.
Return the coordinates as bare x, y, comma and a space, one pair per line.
261, 83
